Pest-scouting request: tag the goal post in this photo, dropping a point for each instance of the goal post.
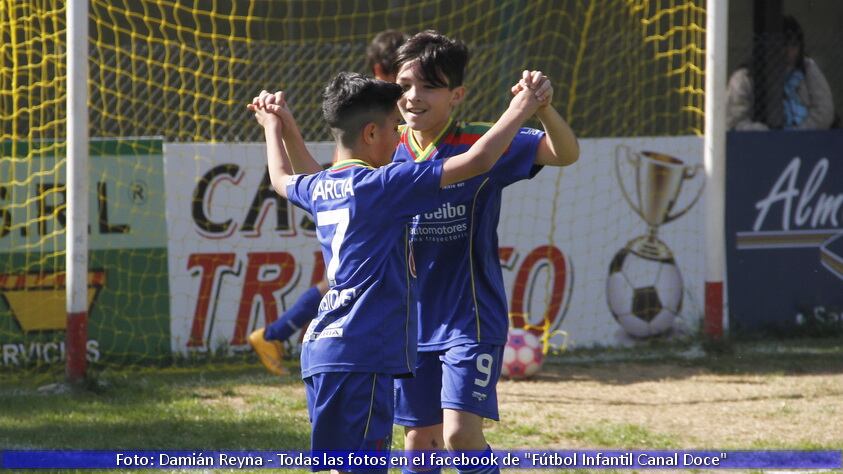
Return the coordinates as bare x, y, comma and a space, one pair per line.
716, 44
76, 236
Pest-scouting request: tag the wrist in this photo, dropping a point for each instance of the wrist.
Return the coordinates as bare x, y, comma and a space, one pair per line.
544, 112
523, 109
290, 129
274, 127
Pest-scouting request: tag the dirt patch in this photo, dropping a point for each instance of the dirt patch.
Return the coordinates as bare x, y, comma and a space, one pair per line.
688, 407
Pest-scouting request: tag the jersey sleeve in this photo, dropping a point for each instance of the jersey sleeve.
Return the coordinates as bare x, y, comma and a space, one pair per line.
518, 161
299, 190
411, 188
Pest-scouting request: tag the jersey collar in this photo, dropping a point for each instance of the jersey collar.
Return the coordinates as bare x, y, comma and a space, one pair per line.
426, 154
345, 164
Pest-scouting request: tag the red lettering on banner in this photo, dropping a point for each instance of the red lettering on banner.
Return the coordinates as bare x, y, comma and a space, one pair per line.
544, 255
264, 289
507, 257
208, 263
318, 268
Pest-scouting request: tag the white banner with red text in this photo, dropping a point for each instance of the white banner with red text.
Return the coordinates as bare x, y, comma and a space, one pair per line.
605, 252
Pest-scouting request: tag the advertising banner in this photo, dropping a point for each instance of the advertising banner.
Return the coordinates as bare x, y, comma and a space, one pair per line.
239, 253
580, 260
784, 231
127, 277
609, 251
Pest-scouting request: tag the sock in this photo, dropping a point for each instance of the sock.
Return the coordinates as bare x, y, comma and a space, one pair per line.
482, 468
302, 311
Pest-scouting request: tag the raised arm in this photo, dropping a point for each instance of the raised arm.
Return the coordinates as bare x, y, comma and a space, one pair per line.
277, 160
300, 158
483, 155
559, 147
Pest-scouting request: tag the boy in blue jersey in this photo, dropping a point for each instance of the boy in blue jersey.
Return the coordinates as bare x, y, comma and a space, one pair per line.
267, 342
462, 307
365, 333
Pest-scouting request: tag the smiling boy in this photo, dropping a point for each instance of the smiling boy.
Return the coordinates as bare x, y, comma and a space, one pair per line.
462, 304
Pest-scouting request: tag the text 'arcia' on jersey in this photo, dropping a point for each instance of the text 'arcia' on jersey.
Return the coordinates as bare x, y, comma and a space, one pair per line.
333, 189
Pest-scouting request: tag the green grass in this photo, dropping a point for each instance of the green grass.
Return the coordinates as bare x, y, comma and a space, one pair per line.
211, 408
626, 435
238, 406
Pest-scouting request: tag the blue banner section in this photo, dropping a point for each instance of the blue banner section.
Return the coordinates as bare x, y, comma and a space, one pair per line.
345, 460
784, 232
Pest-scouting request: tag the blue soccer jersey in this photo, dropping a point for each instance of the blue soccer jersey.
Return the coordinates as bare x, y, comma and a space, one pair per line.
366, 321
455, 247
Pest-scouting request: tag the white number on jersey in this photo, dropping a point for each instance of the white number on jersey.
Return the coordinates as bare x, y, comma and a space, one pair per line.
339, 218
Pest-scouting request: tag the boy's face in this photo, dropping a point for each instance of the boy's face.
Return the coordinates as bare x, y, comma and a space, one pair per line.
387, 138
425, 108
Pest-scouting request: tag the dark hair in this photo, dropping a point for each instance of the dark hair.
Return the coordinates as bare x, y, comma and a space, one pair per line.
384, 49
442, 61
793, 35
352, 100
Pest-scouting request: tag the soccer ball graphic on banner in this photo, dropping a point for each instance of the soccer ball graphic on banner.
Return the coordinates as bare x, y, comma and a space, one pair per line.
644, 294
522, 355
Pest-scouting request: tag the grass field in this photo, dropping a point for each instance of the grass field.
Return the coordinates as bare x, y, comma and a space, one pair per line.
753, 395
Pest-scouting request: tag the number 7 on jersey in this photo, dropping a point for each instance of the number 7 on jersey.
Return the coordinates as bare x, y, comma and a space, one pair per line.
339, 218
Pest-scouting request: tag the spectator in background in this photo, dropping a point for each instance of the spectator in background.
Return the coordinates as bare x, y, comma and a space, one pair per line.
381, 54
806, 99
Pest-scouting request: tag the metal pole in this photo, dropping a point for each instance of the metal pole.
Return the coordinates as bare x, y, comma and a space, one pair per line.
77, 189
715, 165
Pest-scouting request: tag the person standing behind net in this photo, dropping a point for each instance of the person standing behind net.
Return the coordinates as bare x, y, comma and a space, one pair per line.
268, 342
806, 100
381, 54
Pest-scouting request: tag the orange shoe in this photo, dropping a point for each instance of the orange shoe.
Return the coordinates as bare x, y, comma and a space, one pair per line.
270, 352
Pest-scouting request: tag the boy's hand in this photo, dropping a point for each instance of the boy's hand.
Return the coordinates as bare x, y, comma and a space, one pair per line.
265, 98
527, 101
538, 83
274, 103
268, 116
532, 92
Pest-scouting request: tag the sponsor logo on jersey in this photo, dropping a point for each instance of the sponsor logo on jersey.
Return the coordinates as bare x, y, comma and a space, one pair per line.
445, 212
481, 397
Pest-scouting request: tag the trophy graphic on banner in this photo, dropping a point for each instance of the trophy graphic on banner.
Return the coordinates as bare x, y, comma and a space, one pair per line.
644, 288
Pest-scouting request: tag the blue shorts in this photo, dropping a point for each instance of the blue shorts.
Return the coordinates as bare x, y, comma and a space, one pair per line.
350, 411
461, 378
